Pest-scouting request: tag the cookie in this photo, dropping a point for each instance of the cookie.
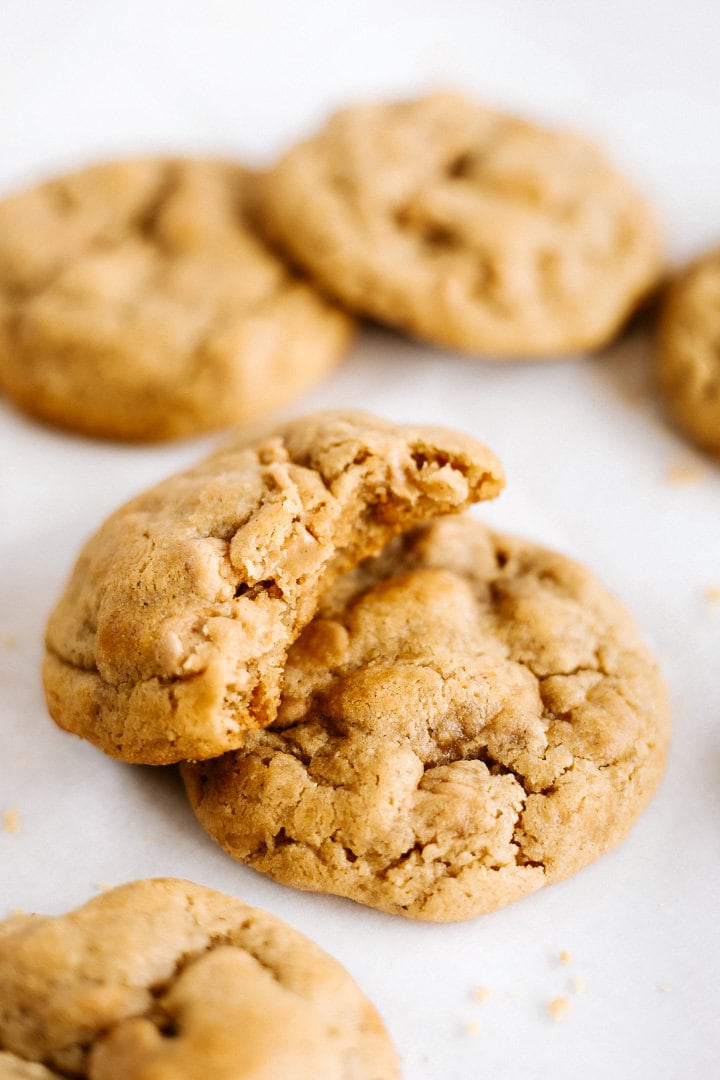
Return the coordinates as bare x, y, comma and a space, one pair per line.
170, 639
689, 351
468, 717
167, 978
465, 227
13, 1068
137, 302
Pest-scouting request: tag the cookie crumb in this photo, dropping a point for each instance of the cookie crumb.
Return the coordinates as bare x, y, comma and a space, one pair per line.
565, 957
712, 595
558, 1007
103, 886
482, 994
17, 911
11, 820
579, 985
10, 641
681, 474
666, 988
473, 1027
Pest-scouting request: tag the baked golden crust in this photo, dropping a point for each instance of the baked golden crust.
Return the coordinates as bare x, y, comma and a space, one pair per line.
467, 718
137, 302
464, 226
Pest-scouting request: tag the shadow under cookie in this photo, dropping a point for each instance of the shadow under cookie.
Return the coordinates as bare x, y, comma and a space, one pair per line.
468, 717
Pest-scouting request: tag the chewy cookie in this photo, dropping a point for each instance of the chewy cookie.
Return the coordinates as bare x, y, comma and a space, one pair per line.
137, 302
689, 351
468, 717
464, 226
167, 978
170, 639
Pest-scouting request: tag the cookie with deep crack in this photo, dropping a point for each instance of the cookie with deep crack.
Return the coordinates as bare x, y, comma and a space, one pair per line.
168, 978
170, 639
467, 718
689, 351
464, 226
138, 302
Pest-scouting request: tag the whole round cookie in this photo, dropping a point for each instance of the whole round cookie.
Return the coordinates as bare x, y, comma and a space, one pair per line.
137, 302
168, 978
468, 717
689, 351
170, 639
464, 226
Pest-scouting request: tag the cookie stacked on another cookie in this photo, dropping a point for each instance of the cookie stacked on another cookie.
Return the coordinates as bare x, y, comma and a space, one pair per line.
170, 639
167, 978
464, 226
138, 302
422, 716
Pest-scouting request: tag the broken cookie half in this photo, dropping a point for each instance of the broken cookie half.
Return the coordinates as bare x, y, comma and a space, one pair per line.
170, 639
467, 718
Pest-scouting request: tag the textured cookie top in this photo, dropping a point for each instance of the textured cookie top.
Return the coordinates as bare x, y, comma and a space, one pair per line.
464, 226
467, 718
167, 979
170, 639
136, 301
689, 350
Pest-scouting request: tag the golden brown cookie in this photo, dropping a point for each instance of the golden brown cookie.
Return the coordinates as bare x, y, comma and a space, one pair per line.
464, 226
13, 1068
170, 639
467, 718
168, 979
137, 302
689, 351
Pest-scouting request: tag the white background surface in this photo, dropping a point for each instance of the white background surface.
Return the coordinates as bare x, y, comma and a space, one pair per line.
587, 454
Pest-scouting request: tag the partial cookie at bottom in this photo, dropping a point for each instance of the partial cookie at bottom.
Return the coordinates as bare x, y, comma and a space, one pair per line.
167, 978
468, 717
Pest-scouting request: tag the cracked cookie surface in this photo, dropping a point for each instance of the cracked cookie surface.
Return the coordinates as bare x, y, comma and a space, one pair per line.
689, 351
464, 226
467, 718
170, 639
168, 978
137, 302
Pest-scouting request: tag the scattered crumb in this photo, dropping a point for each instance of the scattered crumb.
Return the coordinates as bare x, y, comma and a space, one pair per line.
473, 1027
558, 1007
10, 641
684, 473
565, 957
712, 594
11, 820
666, 988
17, 911
103, 886
579, 985
482, 994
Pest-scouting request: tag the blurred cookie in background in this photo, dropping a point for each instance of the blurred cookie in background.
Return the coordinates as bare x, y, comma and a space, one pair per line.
137, 302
